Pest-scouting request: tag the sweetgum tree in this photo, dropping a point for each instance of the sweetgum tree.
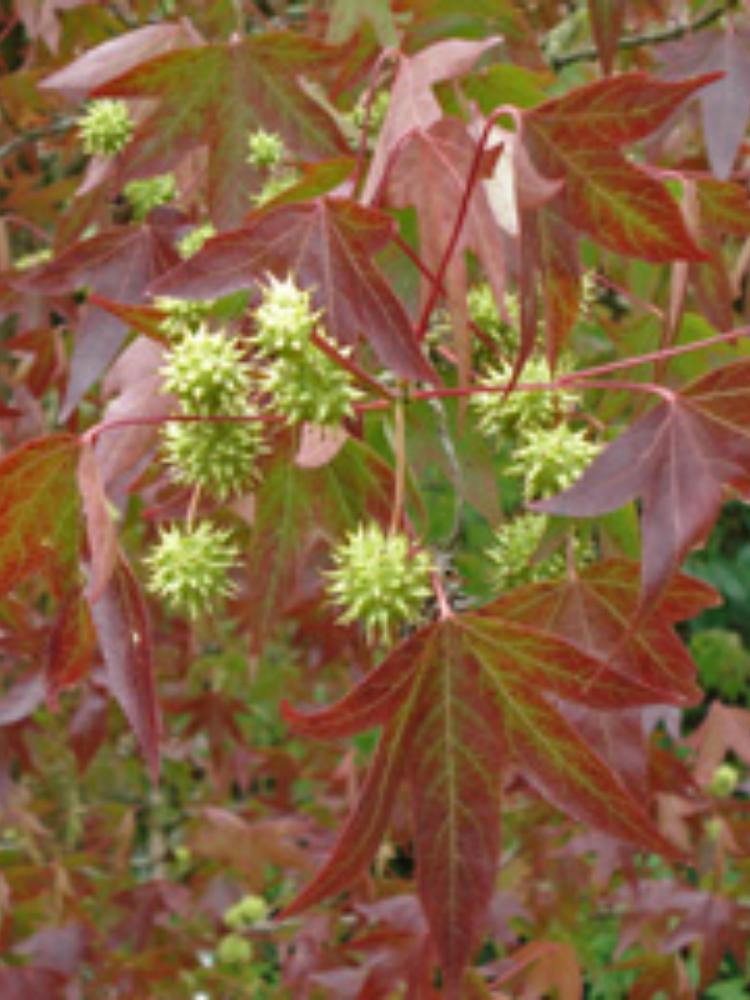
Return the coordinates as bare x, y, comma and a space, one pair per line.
369, 372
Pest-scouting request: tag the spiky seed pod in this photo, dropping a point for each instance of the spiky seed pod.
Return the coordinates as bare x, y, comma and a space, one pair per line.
307, 385
219, 457
189, 567
207, 373
499, 415
105, 128
265, 149
551, 459
514, 553
724, 780
183, 316
379, 580
249, 910
483, 311
233, 951
285, 319
149, 193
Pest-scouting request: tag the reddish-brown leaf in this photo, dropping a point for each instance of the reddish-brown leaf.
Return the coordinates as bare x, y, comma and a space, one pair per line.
103, 62
600, 612
413, 104
725, 104
609, 113
40, 513
677, 458
430, 170
118, 264
327, 245
122, 628
466, 696
236, 87
72, 646
606, 17
100, 531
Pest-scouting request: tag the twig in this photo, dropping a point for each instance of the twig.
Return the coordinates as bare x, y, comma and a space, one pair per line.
677, 31
56, 127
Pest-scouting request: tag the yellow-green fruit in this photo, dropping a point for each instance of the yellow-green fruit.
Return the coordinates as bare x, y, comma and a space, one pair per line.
106, 127
265, 149
233, 950
221, 457
724, 780
551, 459
247, 911
284, 319
189, 567
379, 579
307, 385
147, 194
207, 373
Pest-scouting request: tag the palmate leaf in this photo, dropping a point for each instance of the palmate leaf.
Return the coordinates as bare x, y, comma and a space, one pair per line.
678, 459
576, 139
466, 697
235, 88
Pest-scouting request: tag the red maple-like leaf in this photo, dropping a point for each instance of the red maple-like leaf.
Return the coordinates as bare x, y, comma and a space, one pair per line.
459, 701
576, 139
327, 245
677, 458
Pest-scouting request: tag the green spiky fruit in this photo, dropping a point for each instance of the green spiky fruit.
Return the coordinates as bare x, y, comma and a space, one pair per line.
105, 128
724, 780
182, 316
515, 553
189, 567
249, 910
219, 457
265, 149
234, 950
207, 373
307, 385
285, 318
551, 459
499, 414
379, 580
150, 192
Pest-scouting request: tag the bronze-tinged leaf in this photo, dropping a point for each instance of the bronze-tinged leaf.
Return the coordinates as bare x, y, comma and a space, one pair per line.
72, 646
600, 611
40, 513
429, 171
677, 458
328, 246
236, 88
459, 742
121, 623
724, 206
413, 104
100, 530
365, 827
116, 56
725, 104
611, 112
469, 695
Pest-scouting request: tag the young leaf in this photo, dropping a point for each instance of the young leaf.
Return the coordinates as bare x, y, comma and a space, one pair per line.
677, 459
236, 88
327, 245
